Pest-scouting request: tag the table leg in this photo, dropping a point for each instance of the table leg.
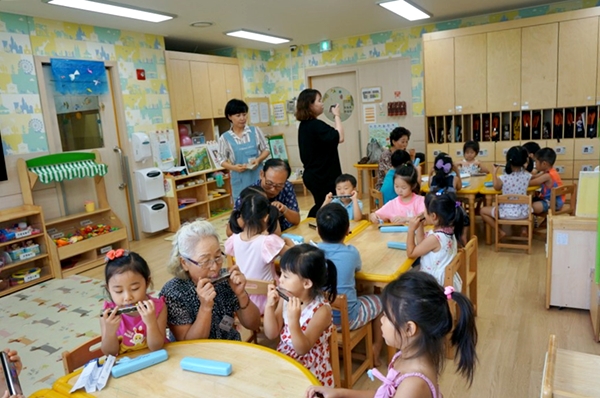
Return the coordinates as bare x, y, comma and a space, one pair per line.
488, 229
472, 215
359, 186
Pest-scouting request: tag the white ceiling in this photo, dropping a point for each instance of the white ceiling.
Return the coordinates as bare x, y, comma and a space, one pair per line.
304, 21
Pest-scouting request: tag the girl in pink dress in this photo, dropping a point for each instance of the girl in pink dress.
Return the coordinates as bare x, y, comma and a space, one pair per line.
298, 312
255, 248
127, 279
416, 319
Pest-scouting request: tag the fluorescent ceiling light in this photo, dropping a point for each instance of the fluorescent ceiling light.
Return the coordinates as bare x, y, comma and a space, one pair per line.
405, 10
245, 34
113, 9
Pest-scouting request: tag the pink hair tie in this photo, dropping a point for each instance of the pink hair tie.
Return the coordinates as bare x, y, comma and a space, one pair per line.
448, 290
112, 254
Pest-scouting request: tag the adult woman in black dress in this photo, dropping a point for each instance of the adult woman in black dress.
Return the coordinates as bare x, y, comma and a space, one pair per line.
318, 144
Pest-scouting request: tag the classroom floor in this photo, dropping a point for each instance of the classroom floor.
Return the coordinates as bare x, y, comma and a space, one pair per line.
513, 324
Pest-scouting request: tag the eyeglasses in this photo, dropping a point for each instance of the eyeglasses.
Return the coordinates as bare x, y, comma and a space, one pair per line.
271, 184
206, 263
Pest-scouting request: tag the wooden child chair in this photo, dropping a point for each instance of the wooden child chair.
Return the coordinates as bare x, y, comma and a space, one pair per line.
256, 286
570, 202
470, 269
349, 339
526, 222
377, 199
334, 357
81, 355
457, 265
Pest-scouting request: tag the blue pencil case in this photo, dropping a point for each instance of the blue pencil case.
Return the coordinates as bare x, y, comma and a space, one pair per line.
397, 245
394, 228
295, 238
465, 184
127, 365
488, 184
206, 366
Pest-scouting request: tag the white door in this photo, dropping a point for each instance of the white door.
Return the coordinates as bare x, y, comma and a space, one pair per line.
349, 150
76, 192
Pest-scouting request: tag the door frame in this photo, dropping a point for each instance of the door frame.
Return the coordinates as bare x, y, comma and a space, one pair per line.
336, 70
118, 107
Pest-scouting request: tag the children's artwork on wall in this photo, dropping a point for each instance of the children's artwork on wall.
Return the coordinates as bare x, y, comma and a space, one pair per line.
277, 146
196, 158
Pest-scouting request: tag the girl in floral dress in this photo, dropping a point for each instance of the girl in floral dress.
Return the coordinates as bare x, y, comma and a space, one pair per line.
297, 310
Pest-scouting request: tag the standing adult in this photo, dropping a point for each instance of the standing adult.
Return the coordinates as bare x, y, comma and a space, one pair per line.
318, 144
280, 192
243, 148
198, 307
398, 140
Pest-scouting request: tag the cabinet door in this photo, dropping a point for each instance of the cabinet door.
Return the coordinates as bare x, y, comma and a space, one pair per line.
181, 89
504, 70
233, 83
201, 88
577, 56
438, 58
470, 73
539, 60
218, 90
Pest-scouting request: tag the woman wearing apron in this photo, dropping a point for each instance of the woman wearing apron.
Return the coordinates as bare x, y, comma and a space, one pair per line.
242, 148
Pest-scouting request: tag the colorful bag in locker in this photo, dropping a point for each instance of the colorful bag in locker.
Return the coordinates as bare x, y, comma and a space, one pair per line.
569, 124
557, 130
591, 125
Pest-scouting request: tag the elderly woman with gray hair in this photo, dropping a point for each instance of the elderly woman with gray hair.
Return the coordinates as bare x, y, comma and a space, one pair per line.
200, 306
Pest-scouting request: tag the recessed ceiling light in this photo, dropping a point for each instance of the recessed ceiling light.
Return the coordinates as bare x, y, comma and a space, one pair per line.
405, 10
201, 24
246, 34
106, 7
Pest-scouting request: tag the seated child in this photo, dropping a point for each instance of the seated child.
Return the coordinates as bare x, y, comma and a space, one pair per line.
548, 178
408, 203
399, 157
444, 175
333, 226
303, 322
531, 147
470, 164
236, 224
345, 184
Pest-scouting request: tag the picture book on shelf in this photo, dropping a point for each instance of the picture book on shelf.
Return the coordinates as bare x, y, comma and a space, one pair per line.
196, 158
215, 156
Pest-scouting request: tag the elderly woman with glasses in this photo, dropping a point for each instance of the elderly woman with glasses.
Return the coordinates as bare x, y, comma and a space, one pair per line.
280, 192
200, 305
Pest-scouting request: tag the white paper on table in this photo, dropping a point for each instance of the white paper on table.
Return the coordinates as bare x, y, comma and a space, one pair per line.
94, 376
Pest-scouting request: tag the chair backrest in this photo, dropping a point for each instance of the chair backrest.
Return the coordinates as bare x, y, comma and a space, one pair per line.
81, 355
548, 376
457, 265
256, 286
513, 200
471, 254
571, 190
377, 197
230, 261
341, 304
334, 358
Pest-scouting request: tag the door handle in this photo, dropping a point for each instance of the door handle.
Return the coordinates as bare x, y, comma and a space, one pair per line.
123, 184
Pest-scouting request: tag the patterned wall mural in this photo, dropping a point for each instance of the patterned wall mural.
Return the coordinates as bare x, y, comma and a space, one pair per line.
282, 76
147, 105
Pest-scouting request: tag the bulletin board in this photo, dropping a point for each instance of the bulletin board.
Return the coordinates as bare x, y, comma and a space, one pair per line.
277, 147
259, 111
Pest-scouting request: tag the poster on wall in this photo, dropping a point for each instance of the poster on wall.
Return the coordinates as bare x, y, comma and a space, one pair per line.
371, 94
381, 132
338, 96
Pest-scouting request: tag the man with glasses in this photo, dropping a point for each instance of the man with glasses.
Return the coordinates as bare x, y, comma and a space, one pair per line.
280, 192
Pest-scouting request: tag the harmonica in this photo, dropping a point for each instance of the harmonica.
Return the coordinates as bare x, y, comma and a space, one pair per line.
283, 295
220, 278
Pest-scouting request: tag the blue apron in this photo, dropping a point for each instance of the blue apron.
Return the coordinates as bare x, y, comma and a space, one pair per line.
242, 153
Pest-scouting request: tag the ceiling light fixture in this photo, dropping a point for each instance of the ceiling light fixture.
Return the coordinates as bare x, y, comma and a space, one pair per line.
246, 34
106, 7
201, 24
405, 10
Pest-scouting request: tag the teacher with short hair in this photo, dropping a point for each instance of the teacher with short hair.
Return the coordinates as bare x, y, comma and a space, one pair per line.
318, 143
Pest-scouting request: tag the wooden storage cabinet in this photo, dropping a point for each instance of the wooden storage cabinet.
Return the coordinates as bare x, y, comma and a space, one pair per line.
470, 73
88, 253
504, 70
201, 187
33, 216
539, 60
438, 58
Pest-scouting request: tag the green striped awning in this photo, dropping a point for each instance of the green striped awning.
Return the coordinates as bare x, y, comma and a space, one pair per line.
69, 171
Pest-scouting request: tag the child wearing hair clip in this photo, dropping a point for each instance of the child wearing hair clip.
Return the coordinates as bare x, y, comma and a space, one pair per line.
444, 174
439, 246
127, 279
416, 319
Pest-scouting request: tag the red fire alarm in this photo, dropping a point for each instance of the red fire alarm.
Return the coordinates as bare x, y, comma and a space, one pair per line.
141, 74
